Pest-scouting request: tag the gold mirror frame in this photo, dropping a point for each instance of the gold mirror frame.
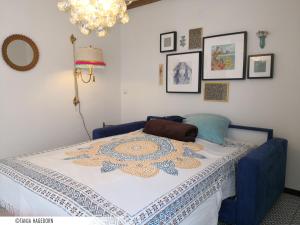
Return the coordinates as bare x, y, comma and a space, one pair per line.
30, 42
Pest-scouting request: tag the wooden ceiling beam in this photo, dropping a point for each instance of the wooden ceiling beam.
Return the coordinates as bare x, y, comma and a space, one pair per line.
139, 3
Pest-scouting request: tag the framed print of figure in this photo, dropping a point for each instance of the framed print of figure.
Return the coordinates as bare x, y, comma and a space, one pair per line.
183, 72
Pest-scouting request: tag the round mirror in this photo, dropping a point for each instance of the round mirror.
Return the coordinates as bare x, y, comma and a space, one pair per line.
20, 52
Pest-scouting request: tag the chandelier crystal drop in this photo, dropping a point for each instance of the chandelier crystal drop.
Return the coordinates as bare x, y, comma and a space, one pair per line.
95, 15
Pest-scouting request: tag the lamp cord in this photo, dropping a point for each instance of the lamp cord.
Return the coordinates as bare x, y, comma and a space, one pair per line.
83, 122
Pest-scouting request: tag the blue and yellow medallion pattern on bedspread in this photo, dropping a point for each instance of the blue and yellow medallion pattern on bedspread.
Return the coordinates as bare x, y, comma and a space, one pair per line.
139, 154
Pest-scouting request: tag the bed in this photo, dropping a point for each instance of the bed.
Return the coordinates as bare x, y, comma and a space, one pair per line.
177, 183
259, 175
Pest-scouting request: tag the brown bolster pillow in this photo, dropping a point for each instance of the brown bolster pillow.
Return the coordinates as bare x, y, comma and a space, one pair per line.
172, 130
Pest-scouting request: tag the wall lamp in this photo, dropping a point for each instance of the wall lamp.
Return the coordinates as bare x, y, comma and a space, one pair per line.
87, 58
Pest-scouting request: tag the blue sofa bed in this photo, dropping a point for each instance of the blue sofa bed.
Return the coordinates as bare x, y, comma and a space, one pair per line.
260, 176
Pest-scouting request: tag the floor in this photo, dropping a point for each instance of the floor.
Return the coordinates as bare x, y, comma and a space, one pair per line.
285, 212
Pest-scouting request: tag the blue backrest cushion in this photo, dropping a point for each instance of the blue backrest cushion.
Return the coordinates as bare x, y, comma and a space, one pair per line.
117, 129
211, 127
178, 119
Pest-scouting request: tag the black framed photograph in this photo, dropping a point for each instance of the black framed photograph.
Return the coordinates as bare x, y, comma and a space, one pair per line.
183, 72
168, 42
260, 66
225, 56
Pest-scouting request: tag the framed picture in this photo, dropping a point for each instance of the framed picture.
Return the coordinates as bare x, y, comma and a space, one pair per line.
168, 42
183, 72
183, 42
218, 92
224, 56
195, 38
260, 66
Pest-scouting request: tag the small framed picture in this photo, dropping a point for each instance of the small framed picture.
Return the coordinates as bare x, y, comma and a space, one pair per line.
183, 72
225, 56
168, 42
260, 66
195, 38
217, 92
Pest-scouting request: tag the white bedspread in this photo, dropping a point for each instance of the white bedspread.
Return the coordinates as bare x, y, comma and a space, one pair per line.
84, 180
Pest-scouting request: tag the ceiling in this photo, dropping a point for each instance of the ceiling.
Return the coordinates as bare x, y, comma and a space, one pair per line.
139, 3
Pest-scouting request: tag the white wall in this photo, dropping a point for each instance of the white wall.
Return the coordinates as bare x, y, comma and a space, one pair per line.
36, 110
264, 103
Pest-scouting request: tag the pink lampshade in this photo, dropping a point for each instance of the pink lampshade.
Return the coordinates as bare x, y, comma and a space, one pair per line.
86, 58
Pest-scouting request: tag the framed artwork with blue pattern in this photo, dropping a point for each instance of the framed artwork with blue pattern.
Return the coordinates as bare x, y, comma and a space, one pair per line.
183, 72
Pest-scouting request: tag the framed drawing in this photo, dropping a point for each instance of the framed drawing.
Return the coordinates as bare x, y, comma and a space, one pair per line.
168, 42
218, 92
260, 66
183, 72
224, 56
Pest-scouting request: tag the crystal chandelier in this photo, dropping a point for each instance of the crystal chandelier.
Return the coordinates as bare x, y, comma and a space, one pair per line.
96, 15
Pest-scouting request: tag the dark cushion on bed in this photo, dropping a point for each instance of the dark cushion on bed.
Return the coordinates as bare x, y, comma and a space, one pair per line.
178, 119
170, 129
118, 129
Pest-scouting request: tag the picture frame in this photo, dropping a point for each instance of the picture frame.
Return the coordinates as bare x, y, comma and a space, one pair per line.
225, 56
195, 38
183, 72
168, 42
260, 66
216, 91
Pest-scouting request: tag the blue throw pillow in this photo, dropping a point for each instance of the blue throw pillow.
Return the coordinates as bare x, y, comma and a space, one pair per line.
211, 127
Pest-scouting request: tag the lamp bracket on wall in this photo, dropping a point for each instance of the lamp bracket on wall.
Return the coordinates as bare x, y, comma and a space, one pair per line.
73, 39
76, 100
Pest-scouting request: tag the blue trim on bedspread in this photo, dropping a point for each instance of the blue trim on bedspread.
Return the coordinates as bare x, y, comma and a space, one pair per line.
80, 200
